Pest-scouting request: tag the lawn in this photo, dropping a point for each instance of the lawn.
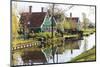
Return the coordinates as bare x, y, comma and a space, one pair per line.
88, 31
89, 55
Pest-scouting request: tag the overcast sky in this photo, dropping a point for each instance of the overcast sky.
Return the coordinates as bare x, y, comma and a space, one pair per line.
75, 10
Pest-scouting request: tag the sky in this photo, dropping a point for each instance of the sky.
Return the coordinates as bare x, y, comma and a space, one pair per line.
75, 10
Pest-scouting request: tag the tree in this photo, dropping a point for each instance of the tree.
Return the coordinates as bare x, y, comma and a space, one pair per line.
85, 21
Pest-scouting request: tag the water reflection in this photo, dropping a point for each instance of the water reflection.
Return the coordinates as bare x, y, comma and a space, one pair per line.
62, 53
85, 44
65, 51
71, 49
34, 57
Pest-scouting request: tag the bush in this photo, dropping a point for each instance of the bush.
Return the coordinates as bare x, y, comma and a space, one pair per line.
43, 34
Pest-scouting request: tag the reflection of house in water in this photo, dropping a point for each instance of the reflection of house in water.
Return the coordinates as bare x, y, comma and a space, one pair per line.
69, 45
34, 57
36, 21
72, 44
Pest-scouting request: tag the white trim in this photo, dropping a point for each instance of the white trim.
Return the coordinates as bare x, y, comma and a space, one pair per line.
49, 20
44, 20
53, 19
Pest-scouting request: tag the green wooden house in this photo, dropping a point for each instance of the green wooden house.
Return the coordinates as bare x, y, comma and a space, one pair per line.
47, 24
38, 21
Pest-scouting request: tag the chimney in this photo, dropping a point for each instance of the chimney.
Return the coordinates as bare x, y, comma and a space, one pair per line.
42, 8
30, 9
70, 15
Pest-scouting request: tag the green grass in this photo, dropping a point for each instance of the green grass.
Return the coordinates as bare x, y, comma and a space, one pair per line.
71, 35
86, 56
88, 31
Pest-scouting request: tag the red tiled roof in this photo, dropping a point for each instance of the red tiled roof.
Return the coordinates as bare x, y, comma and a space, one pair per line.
35, 18
74, 19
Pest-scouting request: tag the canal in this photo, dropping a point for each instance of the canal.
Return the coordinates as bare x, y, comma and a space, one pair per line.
64, 53
71, 49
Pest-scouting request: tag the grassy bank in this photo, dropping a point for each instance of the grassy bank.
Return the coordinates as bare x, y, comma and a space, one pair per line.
86, 56
49, 40
88, 31
68, 36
